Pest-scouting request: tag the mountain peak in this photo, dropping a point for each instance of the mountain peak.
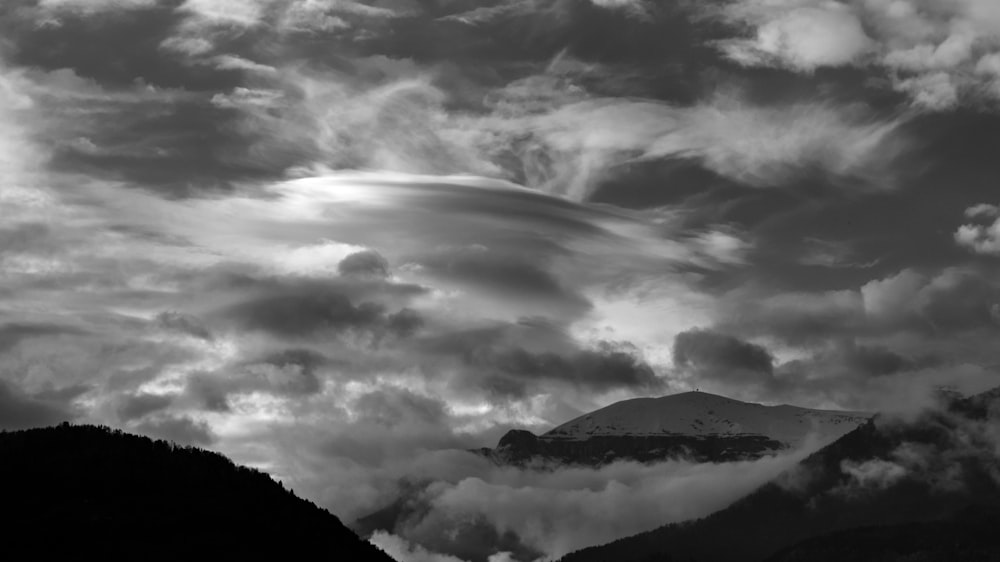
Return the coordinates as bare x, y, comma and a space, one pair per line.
697, 413
697, 425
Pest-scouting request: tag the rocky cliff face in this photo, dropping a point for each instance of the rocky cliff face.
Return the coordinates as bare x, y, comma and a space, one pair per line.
519, 447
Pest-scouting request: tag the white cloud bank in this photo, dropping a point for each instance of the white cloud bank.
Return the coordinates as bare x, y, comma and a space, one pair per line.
937, 52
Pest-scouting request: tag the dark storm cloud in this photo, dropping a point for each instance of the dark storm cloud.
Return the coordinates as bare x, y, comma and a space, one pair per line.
394, 408
364, 264
111, 46
210, 392
289, 371
796, 318
875, 360
178, 429
184, 323
242, 279
12, 333
307, 314
139, 405
160, 136
936, 304
723, 357
19, 410
514, 360
285, 372
509, 274
23, 237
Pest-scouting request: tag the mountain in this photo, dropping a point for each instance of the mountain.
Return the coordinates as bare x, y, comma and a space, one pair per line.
969, 535
889, 471
697, 425
85, 490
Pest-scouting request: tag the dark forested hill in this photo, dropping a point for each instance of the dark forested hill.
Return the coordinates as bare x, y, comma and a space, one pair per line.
887, 472
971, 535
96, 492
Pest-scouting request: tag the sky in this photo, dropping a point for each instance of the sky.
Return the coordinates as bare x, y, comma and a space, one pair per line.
343, 240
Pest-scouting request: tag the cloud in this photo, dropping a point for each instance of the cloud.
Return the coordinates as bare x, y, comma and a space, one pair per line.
980, 238
564, 509
12, 334
948, 301
178, 429
832, 254
402, 550
518, 359
20, 411
940, 55
300, 314
874, 473
193, 254
714, 351
184, 323
89, 7
760, 145
500, 272
982, 210
639, 9
366, 263
139, 405
806, 38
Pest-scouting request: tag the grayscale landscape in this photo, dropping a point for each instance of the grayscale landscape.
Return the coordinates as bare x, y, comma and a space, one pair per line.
500, 280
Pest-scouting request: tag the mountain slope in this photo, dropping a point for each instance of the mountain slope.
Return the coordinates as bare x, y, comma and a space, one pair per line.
697, 425
73, 490
704, 414
885, 472
967, 536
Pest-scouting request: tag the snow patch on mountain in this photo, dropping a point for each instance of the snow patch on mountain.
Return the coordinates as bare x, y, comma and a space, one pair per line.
707, 415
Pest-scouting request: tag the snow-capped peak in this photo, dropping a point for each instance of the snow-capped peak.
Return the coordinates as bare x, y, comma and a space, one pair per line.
704, 414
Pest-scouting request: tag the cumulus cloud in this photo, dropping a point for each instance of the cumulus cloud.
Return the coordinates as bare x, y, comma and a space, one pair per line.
700, 347
366, 263
947, 301
806, 38
939, 54
978, 237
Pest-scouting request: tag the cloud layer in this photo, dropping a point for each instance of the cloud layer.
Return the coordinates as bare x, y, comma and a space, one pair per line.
343, 241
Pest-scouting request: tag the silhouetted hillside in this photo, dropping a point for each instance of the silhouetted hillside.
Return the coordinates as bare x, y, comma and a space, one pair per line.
884, 473
96, 492
971, 535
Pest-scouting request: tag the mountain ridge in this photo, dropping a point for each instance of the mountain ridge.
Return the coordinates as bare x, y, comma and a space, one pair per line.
887, 472
696, 425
